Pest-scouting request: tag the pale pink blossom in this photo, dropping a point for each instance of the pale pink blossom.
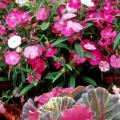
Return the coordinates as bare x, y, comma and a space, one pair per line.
33, 51
115, 61
75, 26
2, 108
42, 14
12, 58
68, 16
88, 3
104, 66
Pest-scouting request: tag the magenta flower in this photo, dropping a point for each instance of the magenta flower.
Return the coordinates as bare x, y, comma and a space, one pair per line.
57, 65
74, 4
97, 56
2, 30
25, 17
12, 58
50, 52
13, 19
37, 64
33, 51
115, 61
108, 33
42, 14
78, 112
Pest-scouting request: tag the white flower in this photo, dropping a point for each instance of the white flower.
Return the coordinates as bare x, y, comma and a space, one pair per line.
21, 2
14, 42
70, 10
89, 46
88, 3
104, 66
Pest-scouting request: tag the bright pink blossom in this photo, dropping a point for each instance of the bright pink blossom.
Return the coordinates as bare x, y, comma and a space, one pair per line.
37, 64
33, 51
57, 65
115, 61
12, 58
25, 17
2, 30
97, 56
33, 115
42, 14
50, 52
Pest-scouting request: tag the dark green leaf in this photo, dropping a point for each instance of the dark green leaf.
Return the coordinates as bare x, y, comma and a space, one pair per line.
79, 50
26, 89
62, 45
88, 55
68, 66
57, 76
89, 80
55, 8
60, 40
117, 40
72, 81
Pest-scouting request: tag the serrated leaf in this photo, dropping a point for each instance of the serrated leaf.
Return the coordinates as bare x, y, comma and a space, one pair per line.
89, 80
79, 50
57, 76
44, 25
60, 40
26, 89
117, 40
72, 81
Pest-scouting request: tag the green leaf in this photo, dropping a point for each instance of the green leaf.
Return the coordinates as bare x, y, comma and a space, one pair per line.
3, 78
86, 54
60, 40
44, 25
51, 76
89, 80
26, 89
117, 40
68, 66
55, 8
57, 76
62, 45
79, 50
72, 81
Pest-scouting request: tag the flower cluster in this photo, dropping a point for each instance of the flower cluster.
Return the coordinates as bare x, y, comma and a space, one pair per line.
49, 40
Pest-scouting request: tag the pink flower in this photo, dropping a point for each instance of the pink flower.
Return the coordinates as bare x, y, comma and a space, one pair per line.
88, 45
25, 17
13, 19
78, 112
43, 99
74, 4
108, 33
104, 66
2, 30
33, 51
12, 58
42, 14
75, 26
67, 31
115, 61
68, 16
30, 77
37, 64
3, 5
2, 109
105, 42
57, 65
50, 52
96, 57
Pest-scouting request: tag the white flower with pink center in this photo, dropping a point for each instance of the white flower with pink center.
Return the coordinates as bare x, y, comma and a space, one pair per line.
14, 42
21, 2
104, 66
